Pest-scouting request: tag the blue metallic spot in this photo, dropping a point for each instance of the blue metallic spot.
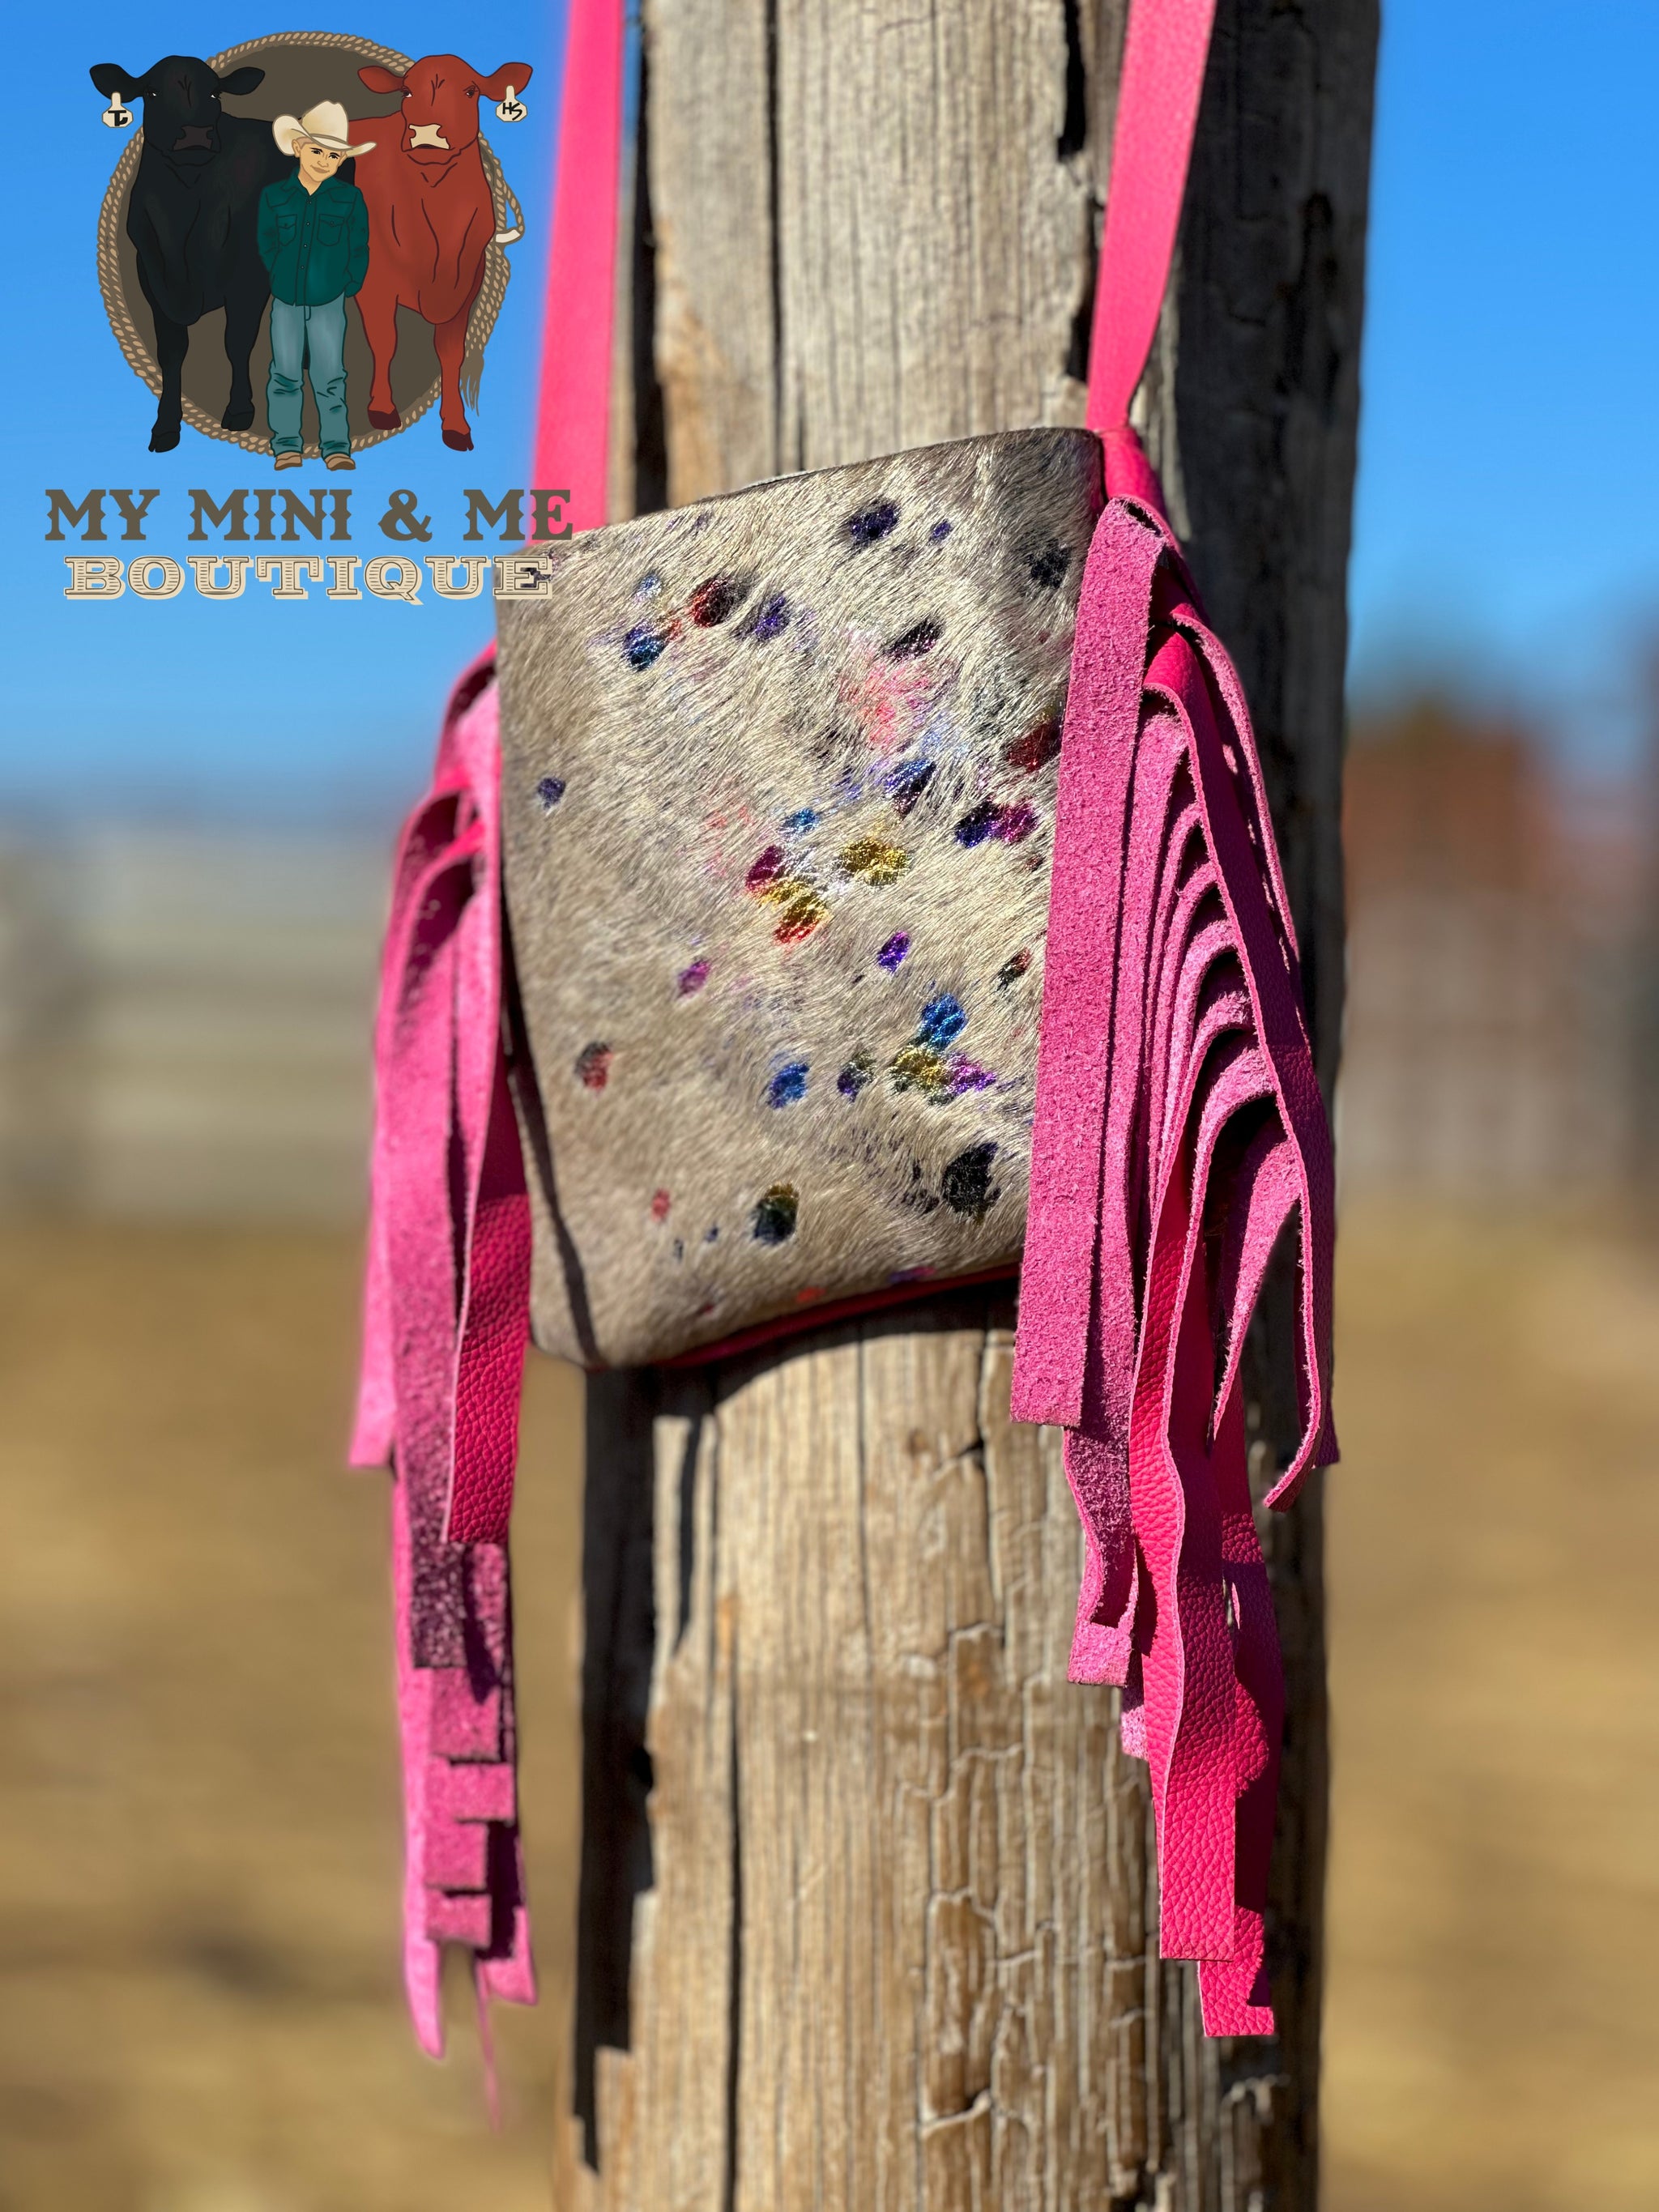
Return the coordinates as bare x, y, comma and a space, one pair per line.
942, 1022
788, 1084
642, 646
549, 790
907, 782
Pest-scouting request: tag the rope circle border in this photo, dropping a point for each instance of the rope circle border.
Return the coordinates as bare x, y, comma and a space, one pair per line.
140, 356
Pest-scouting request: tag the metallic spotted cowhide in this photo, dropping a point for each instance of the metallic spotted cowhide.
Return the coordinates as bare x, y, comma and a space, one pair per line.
778, 781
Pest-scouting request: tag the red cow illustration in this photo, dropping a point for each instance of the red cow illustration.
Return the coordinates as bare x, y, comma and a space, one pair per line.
430, 218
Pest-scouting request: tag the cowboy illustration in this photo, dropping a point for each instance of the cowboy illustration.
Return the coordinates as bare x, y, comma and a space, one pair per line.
313, 239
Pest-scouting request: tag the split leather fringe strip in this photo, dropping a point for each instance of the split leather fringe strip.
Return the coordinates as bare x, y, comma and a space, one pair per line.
1179, 1130
443, 1360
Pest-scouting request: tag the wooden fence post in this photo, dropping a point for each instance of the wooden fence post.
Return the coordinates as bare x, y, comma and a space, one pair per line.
868, 1915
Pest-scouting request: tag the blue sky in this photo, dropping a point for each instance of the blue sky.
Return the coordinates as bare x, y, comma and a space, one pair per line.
1508, 478
1508, 510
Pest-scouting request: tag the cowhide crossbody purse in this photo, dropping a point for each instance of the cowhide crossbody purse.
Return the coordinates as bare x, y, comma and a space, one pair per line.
798, 747
860, 881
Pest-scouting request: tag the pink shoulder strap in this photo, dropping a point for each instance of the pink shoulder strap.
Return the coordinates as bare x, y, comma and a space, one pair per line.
573, 414
1158, 92
1157, 112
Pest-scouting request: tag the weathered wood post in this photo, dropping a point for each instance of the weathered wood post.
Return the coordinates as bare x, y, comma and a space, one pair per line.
867, 1914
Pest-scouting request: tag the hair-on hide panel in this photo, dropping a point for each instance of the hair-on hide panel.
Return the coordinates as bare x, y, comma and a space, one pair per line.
777, 790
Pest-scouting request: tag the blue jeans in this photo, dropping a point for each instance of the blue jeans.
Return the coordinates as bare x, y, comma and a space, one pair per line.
295, 332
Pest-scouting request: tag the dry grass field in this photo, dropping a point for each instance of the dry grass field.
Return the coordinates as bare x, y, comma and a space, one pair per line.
199, 1861
198, 1853
1491, 2044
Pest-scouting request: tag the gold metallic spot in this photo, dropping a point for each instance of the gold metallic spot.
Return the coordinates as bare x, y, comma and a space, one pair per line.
874, 861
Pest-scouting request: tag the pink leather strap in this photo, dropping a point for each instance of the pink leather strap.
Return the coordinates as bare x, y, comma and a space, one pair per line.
1158, 94
573, 415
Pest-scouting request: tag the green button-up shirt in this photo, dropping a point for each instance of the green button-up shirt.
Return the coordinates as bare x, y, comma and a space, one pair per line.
315, 244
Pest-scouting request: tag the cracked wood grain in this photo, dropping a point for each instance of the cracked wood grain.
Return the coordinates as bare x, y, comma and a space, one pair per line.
890, 1943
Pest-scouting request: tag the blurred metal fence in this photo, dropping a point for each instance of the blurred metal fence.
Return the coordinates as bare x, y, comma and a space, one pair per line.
184, 1014
1494, 935
184, 1023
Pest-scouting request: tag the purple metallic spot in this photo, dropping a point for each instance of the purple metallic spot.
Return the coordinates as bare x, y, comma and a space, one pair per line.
766, 869
692, 978
940, 531
892, 953
549, 790
772, 620
872, 523
967, 1075
1014, 825
788, 1084
855, 1075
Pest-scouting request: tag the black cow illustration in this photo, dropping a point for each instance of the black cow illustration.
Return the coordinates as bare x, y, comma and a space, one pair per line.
194, 218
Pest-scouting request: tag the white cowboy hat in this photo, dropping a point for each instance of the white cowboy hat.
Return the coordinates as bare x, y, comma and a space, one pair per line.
325, 124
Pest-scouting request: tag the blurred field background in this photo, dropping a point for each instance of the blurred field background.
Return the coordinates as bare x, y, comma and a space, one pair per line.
198, 1843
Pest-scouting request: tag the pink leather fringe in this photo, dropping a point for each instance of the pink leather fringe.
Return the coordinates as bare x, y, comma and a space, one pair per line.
445, 1324
1179, 1130
447, 1293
